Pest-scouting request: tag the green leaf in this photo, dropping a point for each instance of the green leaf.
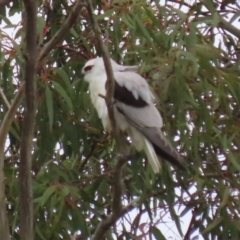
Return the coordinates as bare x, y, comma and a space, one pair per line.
4, 18
150, 13
15, 133
127, 20
65, 191
46, 195
74, 33
64, 94
6, 70
65, 78
225, 198
180, 13
40, 26
83, 225
143, 29
49, 102
209, 4
234, 161
216, 19
212, 225
2, 13
157, 233
40, 233
106, 14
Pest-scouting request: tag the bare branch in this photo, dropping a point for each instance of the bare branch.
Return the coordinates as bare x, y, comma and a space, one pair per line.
61, 32
5, 2
25, 167
107, 63
5, 126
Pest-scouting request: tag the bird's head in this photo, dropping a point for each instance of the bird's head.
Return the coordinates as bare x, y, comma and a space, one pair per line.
94, 67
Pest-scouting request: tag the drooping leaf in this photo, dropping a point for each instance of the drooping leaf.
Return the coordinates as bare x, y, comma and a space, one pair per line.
49, 102
63, 94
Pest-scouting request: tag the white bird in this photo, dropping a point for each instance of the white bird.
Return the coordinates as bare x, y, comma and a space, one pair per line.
134, 111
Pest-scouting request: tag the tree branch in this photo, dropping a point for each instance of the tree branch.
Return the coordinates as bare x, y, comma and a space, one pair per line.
117, 210
61, 32
108, 66
25, 167
4, 128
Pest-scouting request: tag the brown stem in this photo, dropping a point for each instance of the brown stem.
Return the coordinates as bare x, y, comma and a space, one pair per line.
25, 167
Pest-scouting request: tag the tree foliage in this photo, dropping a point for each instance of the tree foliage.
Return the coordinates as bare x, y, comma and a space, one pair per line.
189, 53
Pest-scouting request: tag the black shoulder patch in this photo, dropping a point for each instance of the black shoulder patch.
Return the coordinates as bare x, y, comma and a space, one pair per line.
123, 95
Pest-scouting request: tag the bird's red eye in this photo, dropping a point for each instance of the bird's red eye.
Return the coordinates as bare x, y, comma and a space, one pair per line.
88, 68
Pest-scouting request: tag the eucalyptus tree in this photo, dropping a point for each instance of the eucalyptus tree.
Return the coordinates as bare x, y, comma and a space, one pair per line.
61, 174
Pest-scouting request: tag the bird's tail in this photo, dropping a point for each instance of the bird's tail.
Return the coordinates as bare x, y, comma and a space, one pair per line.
162, 147
142, 143
151, 155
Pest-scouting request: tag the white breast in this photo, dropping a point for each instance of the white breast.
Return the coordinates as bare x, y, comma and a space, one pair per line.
96, 87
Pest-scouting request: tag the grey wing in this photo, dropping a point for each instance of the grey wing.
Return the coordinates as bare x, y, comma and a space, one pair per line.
142, 114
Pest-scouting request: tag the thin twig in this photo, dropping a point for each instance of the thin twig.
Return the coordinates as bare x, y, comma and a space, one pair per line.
25, 166
84, 162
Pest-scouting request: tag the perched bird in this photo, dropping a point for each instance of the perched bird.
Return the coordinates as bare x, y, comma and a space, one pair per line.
134, 111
